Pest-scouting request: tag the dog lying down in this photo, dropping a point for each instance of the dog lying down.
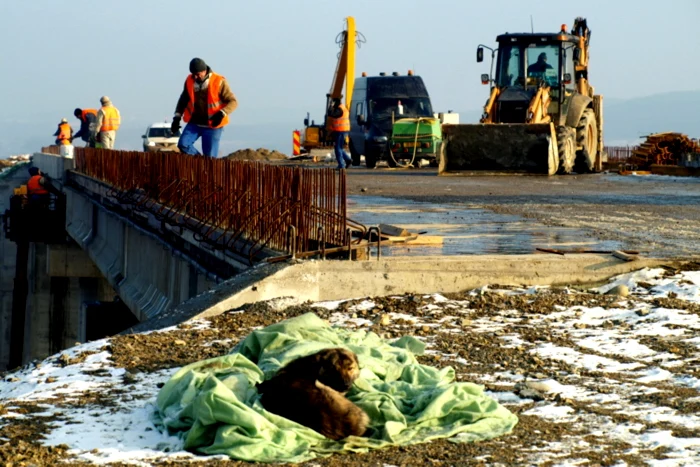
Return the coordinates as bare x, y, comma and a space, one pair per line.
311, 391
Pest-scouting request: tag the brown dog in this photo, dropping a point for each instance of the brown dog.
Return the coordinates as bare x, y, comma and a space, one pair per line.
310, 391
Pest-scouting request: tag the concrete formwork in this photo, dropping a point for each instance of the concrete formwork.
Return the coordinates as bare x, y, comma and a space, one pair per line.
337, 280
143, 270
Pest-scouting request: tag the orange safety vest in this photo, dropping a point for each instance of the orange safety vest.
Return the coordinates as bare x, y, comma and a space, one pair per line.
64, 134
342, 123
213, 102
111, 120
88, 111
34, 187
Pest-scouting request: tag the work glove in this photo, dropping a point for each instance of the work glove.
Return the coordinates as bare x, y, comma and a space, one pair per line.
175, 126
215, 120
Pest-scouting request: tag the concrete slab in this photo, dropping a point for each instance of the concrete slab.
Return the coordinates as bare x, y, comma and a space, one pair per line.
336, 280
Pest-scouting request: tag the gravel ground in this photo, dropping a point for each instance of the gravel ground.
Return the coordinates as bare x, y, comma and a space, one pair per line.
595, 379
658, 215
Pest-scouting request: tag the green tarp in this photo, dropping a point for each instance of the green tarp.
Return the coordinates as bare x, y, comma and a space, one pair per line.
214, 406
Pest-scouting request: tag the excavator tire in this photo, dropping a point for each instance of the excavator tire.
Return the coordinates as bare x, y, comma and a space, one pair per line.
587, 138
566, 145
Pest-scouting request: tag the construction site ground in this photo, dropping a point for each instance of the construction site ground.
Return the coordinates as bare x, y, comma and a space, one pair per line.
594, 379
656, 215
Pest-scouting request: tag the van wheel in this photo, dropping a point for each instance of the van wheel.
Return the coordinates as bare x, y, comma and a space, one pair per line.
370, 160
354, 155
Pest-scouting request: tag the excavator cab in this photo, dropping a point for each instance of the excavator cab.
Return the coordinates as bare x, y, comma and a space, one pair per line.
542, 115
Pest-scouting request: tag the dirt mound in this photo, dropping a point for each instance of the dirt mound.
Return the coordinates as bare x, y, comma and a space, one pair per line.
260, 154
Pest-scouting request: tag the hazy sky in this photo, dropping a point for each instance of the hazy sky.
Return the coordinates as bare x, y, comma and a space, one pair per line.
279, 55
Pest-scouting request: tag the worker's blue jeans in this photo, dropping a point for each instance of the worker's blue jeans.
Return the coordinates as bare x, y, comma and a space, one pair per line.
343, 158
210, 140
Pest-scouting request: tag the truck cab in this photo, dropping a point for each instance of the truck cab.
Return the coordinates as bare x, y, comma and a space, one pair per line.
376, 102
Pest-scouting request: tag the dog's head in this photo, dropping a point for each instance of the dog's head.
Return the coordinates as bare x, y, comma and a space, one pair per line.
338, 368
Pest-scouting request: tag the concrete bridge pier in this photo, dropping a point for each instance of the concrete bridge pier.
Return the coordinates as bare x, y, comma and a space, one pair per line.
62, 280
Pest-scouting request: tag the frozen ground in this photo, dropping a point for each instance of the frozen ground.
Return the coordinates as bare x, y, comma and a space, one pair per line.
658, 215
596, 379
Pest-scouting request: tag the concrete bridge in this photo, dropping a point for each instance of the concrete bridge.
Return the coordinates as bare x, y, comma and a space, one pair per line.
131, 255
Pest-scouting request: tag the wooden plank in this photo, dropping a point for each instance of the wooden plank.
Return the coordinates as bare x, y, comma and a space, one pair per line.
393, 231
624, 256
427, 240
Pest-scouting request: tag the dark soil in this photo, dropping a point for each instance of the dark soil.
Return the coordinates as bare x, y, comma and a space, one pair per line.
479, 354
260, 154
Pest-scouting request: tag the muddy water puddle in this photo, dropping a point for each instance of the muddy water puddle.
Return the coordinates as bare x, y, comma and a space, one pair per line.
467, 231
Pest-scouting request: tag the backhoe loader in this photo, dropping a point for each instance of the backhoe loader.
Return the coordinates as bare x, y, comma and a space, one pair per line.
542, 115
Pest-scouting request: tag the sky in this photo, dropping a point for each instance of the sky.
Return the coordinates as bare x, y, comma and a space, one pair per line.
279, 55
126, 433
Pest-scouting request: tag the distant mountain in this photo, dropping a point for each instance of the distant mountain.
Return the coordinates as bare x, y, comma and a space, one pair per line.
632, 119
627, 121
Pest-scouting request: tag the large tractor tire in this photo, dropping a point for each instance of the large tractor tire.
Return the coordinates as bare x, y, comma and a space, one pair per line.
587, 139
354, 155
566, 145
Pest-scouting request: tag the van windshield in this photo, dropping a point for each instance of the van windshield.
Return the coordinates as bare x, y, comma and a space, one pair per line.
381, 108
161, 133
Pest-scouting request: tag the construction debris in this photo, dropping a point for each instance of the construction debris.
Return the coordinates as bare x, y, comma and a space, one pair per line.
260, 154
663, 149
399, 235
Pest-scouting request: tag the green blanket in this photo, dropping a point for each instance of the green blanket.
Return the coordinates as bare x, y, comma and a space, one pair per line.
214, 406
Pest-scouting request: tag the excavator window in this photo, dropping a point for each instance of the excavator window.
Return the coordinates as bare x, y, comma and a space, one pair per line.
543, 63
381, 108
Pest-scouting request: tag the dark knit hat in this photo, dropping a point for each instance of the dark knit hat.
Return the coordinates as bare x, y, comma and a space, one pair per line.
33, 171
197, 65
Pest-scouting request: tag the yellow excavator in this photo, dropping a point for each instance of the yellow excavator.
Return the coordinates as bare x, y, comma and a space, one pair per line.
318, 135
542, 115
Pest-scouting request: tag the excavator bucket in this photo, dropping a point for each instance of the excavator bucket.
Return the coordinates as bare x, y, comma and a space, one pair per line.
502, 147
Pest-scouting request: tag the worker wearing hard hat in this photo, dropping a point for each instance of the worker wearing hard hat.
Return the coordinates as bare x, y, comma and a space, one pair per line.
108, 121
339, 124
205, 105
64, 133
88, 122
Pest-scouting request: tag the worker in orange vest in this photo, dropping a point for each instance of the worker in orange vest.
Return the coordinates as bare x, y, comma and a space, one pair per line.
64, 133
88, 122
107, 124
39, 187
205, 104
339, 124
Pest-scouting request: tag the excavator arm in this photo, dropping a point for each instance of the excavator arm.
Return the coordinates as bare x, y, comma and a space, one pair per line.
345, 68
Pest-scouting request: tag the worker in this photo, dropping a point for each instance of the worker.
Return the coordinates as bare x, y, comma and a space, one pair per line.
205, 105
540, 66
64, 133
88, 122
107, 124
339, 119
39, 187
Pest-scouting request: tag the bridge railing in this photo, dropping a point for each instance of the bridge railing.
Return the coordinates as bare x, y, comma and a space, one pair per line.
238, 205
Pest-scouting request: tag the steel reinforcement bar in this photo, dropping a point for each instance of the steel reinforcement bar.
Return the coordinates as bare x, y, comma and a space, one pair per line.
239, 205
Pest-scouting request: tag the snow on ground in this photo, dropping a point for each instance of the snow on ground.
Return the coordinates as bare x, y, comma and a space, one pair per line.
608, 367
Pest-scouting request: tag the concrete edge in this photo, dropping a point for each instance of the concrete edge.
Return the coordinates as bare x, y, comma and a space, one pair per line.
316, 280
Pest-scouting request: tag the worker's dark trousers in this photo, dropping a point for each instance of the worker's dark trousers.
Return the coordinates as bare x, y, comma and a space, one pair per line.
341, 156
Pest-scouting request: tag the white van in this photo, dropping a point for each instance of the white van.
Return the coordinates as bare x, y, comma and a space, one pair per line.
159, 137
